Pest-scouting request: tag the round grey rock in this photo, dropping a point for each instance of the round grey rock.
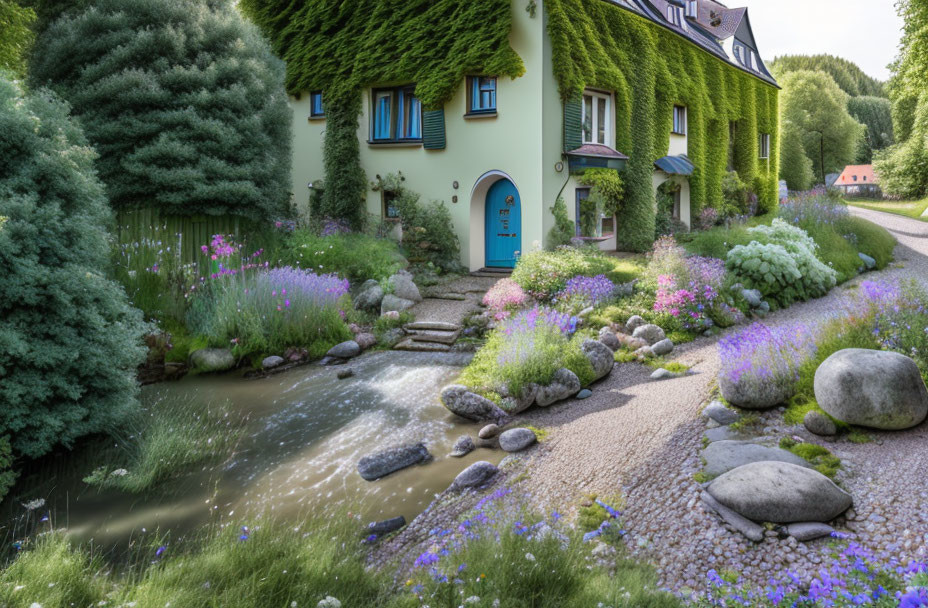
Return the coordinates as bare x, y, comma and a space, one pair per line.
393, 303
663, 374
780, 492
206, 360
489, 431
664, 347
564, 384
466, 404
634, 322
600, 355
869, 263
872, 388
475, 475
650, 333
369, 296
272, 362
381, 464
721, 414
608, 337
516, 440
585, 394
753, 297
723, 456
818, 423
463, 446
365, 340
403, 287
345, 350
750, 394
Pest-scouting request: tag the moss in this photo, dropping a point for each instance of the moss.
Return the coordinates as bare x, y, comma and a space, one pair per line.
702, 477
541, 435
674, 367
819, 456
592, 515
746, 421
650, 69
858, 436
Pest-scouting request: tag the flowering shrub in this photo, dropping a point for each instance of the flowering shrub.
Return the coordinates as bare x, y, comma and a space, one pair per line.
855, 577
274, 310
582, 292
815, 206
542, 274
708, 218
504, 297
692, 295
767, 357
227, 257
528, 347
898, 314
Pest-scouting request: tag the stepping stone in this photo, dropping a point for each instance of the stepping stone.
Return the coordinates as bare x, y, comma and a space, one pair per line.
432, 325
723, 456
721, 414
806, 531
441, 337
725, 433
411, 345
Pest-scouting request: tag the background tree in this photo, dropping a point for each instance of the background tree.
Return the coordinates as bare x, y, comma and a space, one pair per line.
182, 99
846, 74
875, 113
15, 36
795, 166
903, 168
814, 104
70, 342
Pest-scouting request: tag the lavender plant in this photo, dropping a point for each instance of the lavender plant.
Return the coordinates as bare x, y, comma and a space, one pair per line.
582, 292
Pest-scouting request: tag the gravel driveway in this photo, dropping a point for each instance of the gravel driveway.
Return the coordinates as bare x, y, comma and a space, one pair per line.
641, 439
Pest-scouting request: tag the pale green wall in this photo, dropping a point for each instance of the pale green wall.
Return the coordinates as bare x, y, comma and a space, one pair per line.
509, 143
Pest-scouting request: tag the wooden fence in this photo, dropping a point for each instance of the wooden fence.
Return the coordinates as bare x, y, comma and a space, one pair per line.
184, 234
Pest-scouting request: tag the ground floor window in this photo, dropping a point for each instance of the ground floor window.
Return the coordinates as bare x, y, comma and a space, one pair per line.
390, 209
591, 223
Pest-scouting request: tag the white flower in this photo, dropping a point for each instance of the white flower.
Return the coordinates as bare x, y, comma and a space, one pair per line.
530, 557
35, 605
32, 505
329, 602
472, 600
119, 473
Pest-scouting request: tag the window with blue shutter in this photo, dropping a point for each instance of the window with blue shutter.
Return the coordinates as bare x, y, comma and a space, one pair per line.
396, 115
482, 95
316, 109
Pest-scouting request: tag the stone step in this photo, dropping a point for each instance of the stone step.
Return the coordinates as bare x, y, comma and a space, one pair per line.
440, 337
431, 326
423, 347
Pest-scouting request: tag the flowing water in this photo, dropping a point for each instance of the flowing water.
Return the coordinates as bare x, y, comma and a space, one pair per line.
305, 433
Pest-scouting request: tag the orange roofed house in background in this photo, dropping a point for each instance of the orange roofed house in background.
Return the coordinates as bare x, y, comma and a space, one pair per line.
859, 180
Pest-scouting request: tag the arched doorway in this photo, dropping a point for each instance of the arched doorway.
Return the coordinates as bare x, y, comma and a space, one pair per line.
502, 225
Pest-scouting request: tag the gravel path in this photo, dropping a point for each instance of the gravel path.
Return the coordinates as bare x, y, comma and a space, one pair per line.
641, 439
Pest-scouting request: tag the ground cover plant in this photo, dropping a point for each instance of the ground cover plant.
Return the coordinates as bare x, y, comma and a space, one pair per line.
542, 274
354, 256
71, 341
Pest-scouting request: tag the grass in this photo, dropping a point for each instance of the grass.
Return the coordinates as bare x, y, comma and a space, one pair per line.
674, 367
818, 456
356, 257
170, 438
912, 209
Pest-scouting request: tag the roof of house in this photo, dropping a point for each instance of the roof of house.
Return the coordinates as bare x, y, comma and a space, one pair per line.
701, 31
863, 173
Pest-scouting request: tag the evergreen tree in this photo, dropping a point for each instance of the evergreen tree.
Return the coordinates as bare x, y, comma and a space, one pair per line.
70, 342
795, 166
875, 113
182, 99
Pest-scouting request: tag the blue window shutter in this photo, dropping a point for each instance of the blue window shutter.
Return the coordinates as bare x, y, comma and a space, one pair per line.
433, 127
573, 123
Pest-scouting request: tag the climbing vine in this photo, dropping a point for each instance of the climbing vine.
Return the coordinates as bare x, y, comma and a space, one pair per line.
342, 47
651, 69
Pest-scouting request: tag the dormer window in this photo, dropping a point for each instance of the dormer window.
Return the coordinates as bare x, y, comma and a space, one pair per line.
675, 15
692, 9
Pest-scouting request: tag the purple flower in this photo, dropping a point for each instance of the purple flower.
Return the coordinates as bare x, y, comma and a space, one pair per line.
586, 291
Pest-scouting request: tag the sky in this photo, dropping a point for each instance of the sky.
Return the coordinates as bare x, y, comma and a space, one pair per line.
865, 31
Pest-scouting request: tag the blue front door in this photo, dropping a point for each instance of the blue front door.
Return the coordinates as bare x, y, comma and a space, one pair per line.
503, 225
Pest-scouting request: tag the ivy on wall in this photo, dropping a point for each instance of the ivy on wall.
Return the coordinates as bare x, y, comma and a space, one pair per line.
343, 47
650, 70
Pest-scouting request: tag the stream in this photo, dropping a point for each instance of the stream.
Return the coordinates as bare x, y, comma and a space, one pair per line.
305, 432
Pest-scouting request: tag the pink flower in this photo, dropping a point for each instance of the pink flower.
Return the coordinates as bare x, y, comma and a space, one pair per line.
287, 303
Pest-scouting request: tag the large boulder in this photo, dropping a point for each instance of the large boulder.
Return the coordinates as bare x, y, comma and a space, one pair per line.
393, 303
873, 388
600, 355
650, 333
564, 384
475, 475
723, 456
206, 360
369, 296
751, 394
466, 404
345, 350
517, 404
780, 492
403, 287
381, 464
516, 440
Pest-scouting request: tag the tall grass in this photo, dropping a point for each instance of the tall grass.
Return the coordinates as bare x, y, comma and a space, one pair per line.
356, 257
168, 439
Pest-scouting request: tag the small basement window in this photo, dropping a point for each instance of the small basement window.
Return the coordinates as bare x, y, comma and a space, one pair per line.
482, 95
764, 145
390, 210
316, 109
679, 120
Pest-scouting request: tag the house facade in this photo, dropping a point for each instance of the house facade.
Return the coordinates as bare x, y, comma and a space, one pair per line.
670, 93
858, 180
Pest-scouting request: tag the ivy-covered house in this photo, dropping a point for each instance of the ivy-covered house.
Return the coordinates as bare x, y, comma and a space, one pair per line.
499, 107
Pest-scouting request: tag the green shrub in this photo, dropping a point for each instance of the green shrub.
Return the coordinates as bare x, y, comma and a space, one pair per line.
544, 273
7, 475
183, 100
168, 439
717, 242
563, 231
356, 257
71, 341
817, 278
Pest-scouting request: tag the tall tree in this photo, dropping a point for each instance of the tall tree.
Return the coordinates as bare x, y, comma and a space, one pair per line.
814, 104
15, 36
795, 166
847, 74
182, 99
875, 113
70, 342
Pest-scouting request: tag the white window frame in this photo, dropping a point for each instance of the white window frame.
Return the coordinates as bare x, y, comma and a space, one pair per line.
691, 9
684, 121
765, 146
594, 119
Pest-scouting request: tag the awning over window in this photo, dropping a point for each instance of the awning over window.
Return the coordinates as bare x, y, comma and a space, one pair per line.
590, 156
675, 165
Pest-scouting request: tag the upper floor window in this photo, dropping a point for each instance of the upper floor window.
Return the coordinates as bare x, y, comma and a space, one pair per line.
765, 145
316, 109
679, 120
597, 118
396, 115
854, 177
482, 95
